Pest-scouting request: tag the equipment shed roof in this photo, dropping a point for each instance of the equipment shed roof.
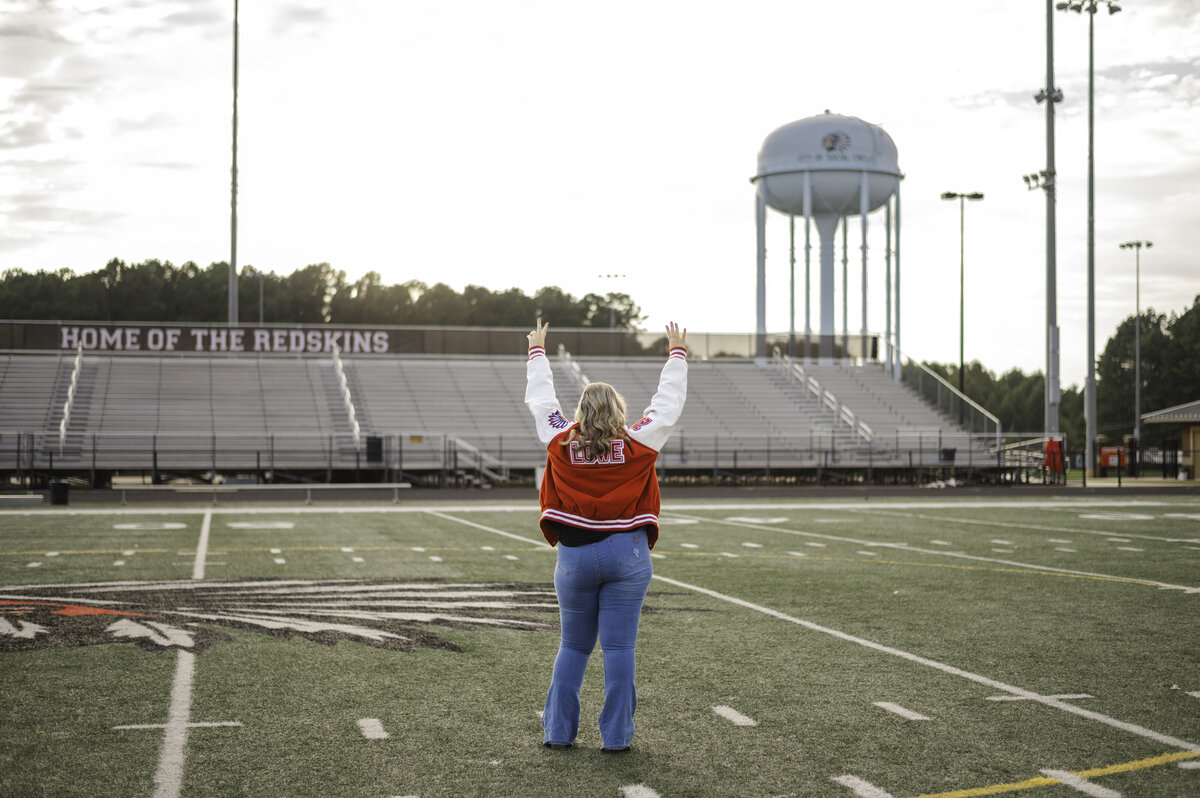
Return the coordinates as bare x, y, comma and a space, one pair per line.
1179, 414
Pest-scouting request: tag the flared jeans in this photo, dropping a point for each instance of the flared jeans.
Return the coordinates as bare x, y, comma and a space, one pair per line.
600, 587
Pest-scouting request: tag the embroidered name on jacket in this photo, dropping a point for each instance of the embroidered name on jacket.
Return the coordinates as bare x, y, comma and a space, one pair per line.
616, 454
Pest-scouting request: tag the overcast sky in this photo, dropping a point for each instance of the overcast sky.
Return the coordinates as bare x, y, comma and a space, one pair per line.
531, 142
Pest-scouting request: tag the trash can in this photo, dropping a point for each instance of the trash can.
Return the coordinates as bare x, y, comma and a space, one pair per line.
947, 456
60, 493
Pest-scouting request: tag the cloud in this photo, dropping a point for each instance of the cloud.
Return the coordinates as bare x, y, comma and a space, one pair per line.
19, 135
169, 165
300, 19
155, 121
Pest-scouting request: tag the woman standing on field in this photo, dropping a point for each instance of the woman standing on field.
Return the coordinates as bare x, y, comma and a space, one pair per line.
600, 506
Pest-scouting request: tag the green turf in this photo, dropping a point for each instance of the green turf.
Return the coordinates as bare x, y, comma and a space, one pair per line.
462, 711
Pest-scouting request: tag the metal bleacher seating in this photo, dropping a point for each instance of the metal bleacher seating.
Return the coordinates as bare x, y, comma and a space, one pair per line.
289, 412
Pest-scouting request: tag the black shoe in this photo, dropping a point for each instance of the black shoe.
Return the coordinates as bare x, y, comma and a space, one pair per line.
557, 745
624, 750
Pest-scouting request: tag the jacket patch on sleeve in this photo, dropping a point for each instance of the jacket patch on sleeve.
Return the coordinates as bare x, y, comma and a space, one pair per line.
616, 454
557, 421
641, 423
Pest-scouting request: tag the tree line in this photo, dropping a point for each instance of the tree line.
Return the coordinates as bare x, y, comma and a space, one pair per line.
1170, 371
159, 291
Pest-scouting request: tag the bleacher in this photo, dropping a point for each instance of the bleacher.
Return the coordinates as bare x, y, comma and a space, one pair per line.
214, 413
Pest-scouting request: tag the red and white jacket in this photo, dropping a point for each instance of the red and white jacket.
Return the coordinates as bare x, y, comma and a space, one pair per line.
618, 492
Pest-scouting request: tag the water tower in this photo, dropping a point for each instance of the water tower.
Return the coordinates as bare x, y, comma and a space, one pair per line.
827, 168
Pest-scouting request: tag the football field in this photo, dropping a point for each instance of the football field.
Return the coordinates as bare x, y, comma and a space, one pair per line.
933, 647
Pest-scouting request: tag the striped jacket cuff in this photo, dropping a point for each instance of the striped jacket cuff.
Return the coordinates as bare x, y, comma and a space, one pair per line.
537, 351
678, 352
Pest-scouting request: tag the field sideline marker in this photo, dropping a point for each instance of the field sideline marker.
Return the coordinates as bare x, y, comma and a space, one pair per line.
1081, 785
202, 546
907, 714
733, 716
1184, 760
372, 729
531, 506
1061, 696
1049, 701
861, 788
638, 791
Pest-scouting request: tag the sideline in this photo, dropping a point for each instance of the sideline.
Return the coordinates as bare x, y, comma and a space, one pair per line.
531, 505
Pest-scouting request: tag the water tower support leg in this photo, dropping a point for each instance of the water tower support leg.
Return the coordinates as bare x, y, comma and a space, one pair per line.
845, 286
897, 350
864, 352
760, 227
807, 269
887, 284
792, 286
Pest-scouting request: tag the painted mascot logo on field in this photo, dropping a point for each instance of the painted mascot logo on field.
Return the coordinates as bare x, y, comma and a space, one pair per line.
161, 615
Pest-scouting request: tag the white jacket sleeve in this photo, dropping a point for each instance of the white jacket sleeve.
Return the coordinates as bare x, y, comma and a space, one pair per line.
540, 397
665, 408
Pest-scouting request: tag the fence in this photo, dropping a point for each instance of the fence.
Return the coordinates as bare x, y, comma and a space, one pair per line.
29, 459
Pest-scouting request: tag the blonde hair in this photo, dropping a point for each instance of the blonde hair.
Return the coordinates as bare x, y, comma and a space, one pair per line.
601, 418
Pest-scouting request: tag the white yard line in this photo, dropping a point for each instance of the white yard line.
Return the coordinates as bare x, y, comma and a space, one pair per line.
1013, 525
896, 709
638, 791
956, 554
202, 546
733, 716
168, 780
372, 729
861, 788
1064, 696
949, 669
1081, 785
485, 528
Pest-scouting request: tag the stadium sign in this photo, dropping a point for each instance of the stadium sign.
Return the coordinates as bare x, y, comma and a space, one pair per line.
310, 340
221, 339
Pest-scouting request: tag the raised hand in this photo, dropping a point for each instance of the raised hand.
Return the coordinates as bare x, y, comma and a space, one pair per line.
675, 336
538, 336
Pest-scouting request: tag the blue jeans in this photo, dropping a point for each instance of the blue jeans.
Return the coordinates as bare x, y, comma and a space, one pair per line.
600, 587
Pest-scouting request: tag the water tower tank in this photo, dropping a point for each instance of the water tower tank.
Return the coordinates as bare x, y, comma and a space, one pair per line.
826, 168
835, 150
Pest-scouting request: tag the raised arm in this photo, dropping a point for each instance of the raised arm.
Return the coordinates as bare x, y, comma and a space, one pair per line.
666, 406
540, 397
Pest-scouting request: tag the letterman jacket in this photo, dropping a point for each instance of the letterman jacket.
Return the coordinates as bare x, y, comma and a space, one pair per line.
615, 493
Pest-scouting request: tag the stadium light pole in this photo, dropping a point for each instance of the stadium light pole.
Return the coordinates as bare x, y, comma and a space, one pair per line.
962, 201
1050, 95
233, 185
1089, 388
1136, 246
